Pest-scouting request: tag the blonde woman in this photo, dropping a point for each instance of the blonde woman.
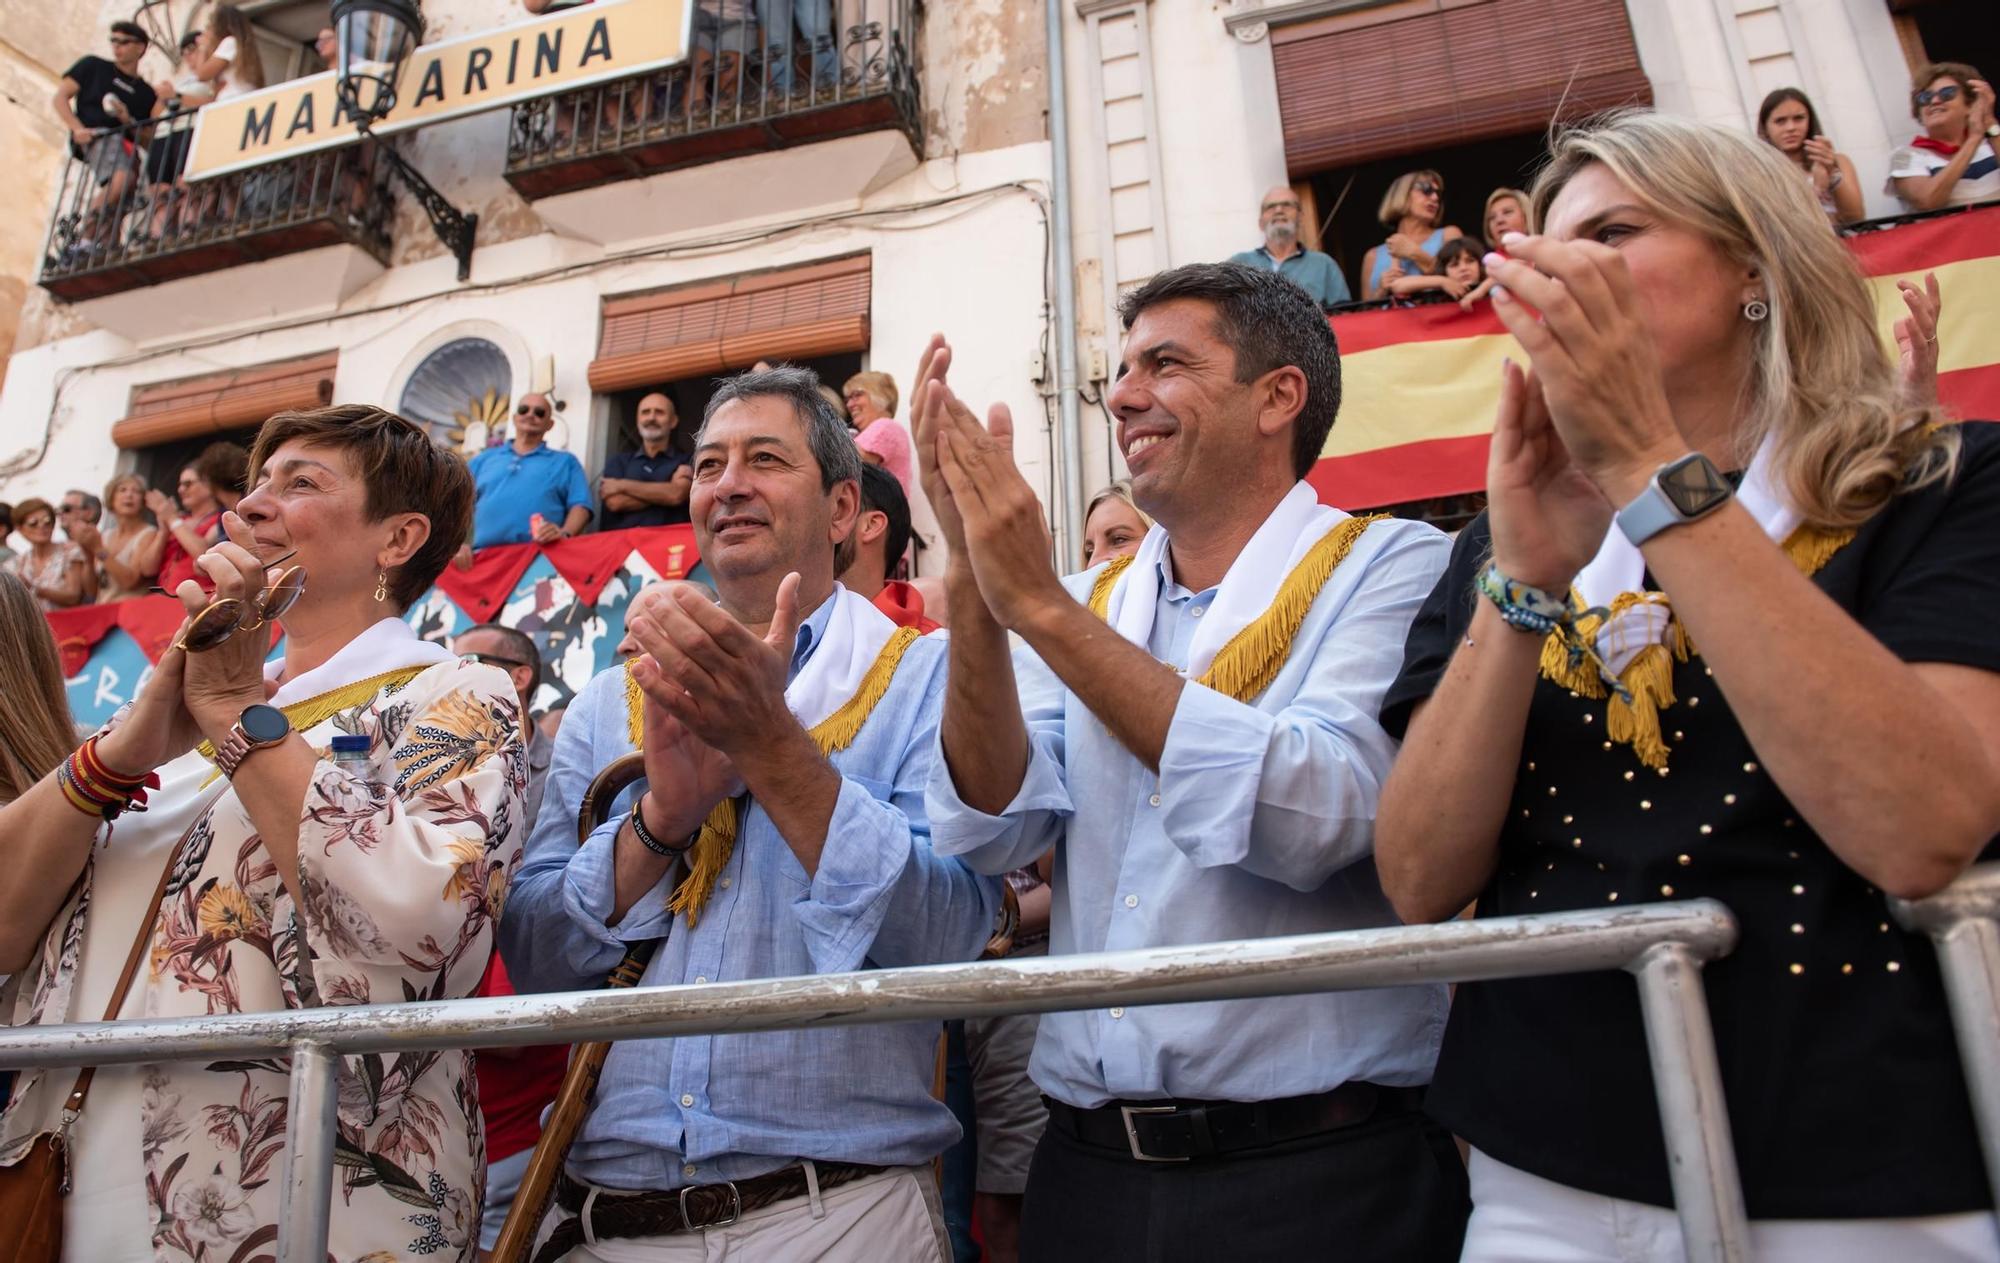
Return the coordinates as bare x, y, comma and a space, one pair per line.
1112, 524
132, 545
1413, 212
35, 732
299, 881
1793, 707
1506, 211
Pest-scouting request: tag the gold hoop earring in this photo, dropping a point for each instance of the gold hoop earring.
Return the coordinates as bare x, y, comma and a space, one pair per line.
381, 586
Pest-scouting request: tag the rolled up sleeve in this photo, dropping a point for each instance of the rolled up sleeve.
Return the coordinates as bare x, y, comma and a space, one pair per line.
1034, 820
1291, 795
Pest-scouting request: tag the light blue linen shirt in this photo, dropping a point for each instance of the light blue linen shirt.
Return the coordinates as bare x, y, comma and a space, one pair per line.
670, 1112
1260, 823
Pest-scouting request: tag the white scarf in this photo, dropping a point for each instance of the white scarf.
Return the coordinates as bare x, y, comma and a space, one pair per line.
855, 633
1619, 567
388, 645
1287, 535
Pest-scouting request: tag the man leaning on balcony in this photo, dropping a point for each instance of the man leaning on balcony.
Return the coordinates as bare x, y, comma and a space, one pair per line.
1207, 771
527, 489
94, 100
1282, 252
788, 733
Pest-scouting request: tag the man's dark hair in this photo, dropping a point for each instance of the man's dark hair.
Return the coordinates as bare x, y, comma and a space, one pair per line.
224, 466
1450, 251
403, 471
1267, 322
520, 647
132, 30
880, 491
826, 434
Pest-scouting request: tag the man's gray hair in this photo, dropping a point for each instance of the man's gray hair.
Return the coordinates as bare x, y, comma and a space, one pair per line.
826, 434
91, 504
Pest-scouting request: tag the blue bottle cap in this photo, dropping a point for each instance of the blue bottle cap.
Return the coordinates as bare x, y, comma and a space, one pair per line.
350, 744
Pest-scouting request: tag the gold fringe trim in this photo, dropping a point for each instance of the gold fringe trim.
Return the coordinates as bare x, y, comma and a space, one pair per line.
711, 851
635, 707
1100, 592
1648, 679
1245, 666
309, 713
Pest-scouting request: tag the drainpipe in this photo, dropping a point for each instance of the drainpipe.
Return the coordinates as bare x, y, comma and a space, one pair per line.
1069, 424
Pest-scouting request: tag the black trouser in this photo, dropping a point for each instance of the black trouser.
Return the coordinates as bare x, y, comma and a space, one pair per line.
1391, 1189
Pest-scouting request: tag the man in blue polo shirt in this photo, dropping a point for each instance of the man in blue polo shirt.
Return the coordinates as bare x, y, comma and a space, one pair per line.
1315, 273
523, 479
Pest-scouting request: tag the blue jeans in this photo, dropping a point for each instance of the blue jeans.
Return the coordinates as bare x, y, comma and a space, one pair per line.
810, 21
961, 1161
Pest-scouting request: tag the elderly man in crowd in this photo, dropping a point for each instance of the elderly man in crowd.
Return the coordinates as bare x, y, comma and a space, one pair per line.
788, 732
527, 489
78, 515
1315, 273
647, 487
1209, 770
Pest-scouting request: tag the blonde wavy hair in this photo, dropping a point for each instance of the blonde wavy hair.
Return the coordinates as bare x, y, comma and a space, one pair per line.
35, 731
1823, 386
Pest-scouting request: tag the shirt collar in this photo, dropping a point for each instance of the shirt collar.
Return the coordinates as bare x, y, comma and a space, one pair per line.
811, 632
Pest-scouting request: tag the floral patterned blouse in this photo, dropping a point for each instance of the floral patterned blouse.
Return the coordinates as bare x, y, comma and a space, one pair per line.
403, 872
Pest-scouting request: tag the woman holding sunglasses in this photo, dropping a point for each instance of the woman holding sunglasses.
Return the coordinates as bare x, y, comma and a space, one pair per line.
262, 874
1413, 212
1952, 163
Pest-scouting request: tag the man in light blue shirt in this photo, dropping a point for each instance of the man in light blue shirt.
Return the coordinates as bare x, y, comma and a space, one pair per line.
826, 1132
518, 481
1206, 767
1315, 273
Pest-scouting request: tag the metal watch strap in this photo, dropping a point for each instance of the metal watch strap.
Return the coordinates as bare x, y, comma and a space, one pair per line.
647, 838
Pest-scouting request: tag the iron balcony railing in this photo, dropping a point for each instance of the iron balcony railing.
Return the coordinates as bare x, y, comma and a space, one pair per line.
1663, 945
760, 74
124, 216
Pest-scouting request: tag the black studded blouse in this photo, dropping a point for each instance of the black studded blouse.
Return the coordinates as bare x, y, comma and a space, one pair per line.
1845, 1092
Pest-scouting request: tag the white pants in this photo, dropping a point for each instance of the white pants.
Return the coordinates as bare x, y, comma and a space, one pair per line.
1522, 1218
894, 1217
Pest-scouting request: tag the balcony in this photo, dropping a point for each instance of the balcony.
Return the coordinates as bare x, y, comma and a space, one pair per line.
738, 93
136, 228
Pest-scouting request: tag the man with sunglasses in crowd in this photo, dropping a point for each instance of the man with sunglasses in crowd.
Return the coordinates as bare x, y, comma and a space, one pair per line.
78, 516
527, 489
1315, 273
93, 100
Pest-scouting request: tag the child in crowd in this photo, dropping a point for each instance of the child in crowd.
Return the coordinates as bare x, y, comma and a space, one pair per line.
1459, 274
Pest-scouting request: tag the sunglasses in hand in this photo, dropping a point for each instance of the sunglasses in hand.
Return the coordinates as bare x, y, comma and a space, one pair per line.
220, 619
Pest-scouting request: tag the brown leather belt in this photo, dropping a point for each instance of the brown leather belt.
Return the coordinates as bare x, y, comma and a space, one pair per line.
665, 1212
1181, 1131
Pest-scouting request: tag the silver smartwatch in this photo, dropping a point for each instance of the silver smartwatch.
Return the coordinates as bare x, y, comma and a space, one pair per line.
1681, 491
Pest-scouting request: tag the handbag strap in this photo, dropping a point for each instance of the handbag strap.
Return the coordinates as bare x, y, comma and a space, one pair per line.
80, 1090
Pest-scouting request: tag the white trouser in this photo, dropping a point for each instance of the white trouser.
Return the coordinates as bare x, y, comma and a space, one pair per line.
894, 1217
1523, 1218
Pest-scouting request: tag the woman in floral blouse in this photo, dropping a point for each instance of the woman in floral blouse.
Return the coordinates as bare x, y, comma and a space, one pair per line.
300, 882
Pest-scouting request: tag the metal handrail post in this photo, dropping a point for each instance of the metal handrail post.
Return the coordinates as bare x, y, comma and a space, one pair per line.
1964, 922
1694, 1119
305, 1206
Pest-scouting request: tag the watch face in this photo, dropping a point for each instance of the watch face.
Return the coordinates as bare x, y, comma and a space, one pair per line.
263, 724
1694, 485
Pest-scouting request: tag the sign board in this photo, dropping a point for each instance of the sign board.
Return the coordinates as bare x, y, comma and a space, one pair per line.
611, 39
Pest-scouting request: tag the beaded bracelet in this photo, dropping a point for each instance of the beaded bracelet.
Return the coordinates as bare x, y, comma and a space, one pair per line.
1536, 610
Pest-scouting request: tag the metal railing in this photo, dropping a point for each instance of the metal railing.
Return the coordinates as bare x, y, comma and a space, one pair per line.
1663, 945
125, 217
760, 74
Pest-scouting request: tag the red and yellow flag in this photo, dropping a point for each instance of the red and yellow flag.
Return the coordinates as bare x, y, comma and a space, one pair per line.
1420, 384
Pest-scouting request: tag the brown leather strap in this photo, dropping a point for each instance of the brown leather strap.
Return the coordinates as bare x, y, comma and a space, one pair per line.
73, 1104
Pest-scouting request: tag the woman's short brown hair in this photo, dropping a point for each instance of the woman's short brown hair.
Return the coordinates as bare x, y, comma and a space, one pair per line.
31, 506
224, 466
1957, 71
403, 471
119, 480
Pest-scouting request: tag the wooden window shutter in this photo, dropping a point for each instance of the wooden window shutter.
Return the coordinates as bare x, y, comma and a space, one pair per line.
1447, 75
217, 402
791, 314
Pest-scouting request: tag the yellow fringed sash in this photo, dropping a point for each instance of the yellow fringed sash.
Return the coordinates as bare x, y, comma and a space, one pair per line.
309, 713
1245, 666
1649, 677
711, 851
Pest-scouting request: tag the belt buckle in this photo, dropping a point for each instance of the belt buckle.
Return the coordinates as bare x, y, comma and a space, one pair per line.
735, 1206
1127, 1112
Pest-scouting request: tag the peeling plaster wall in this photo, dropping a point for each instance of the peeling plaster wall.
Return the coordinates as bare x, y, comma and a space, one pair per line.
985, 75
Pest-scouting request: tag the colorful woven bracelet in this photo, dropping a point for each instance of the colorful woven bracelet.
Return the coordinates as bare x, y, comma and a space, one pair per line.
1529, 608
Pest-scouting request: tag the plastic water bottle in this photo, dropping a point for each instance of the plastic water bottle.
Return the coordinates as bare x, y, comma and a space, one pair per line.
350, 753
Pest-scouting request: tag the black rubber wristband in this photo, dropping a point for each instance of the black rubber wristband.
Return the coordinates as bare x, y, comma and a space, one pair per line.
651, 843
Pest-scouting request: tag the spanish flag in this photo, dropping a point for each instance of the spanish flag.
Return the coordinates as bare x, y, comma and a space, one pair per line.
1420, 384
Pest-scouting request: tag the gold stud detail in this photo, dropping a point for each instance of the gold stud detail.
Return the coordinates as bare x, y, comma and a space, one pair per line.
1686, 860
1791, 824
1531, 765
1694, 701
1576, 841
1797, 928
1589, 718
1708, 670
1679, 735
1607, 745
1707, 829
1798, 890
1750, 767
1552, 791
1667, 892
1645, 804
1630, 775
1729, 800
1895, 966
1847, 969
1569, 819
1614, 896
1884, 927
1574, 693
1797, 968
1524, 813
1533, 894
1663, 771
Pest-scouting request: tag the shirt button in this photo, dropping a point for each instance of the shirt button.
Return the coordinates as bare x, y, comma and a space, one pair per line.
1155, 800
688, 1169
700, 978
687, 1099
1197, 610
1131, 901
724, 883
1118, 1013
